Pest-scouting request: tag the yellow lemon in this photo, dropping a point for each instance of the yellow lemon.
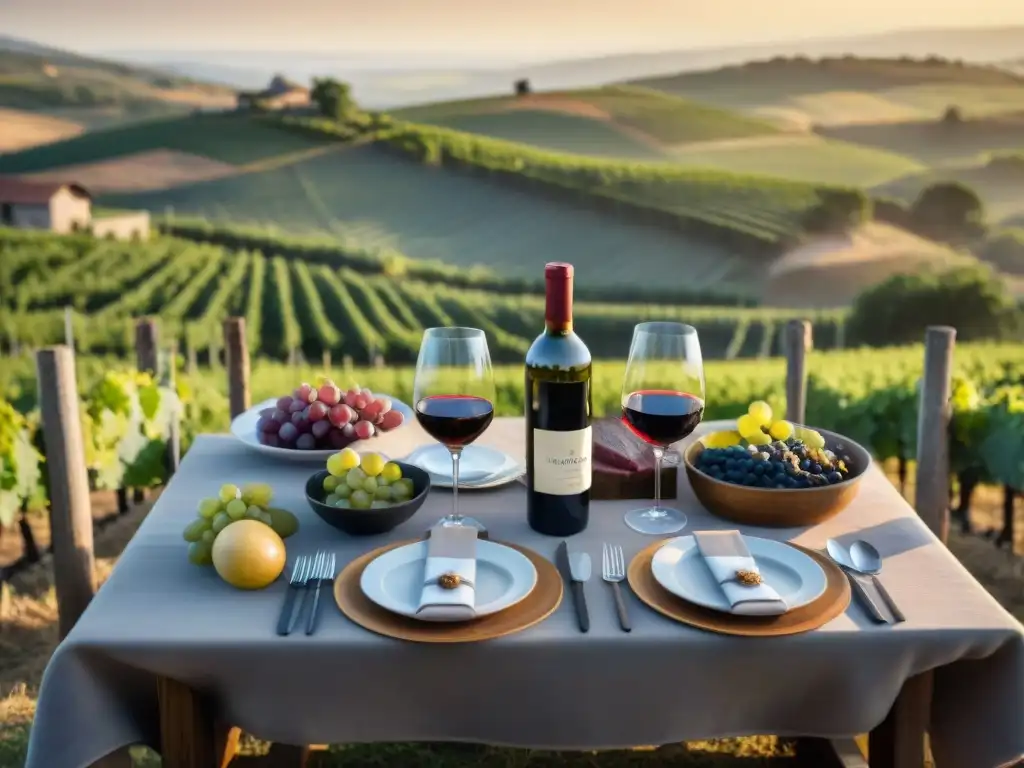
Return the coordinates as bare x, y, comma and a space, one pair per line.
373, 464
248, 554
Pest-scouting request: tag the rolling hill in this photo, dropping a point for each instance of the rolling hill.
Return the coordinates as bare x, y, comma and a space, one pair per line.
84, 92
631, 122
655, 120
228, 137
940, 143
378, 200
848, 90
998, 181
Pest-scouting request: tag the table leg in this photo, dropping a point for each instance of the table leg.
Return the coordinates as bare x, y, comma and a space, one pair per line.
190, 737
899, 742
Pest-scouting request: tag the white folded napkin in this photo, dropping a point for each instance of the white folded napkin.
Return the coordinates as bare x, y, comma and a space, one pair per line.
451, 549
725, 553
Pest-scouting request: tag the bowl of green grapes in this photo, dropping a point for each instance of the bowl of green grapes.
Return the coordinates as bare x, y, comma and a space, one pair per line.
365, 494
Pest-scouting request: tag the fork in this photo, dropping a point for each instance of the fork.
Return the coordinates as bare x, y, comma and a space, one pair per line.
326, 571
613, 570
300, 574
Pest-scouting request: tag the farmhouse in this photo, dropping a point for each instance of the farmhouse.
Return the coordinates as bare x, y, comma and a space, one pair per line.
64, 207
281, 93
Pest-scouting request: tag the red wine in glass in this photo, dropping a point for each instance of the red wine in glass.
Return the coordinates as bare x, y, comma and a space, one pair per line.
662, 417
454, 420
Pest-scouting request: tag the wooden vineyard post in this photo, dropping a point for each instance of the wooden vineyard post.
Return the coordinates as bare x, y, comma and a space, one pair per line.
146, 360
900, 739
173, 458
798, 343
933, 416
70, 506
237, 353
69, 327
146, 345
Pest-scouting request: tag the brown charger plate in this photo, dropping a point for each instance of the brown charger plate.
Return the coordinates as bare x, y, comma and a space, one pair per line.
533, 609
832, 602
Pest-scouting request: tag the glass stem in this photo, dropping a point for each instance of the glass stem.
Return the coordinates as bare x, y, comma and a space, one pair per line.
456, 518
659, 453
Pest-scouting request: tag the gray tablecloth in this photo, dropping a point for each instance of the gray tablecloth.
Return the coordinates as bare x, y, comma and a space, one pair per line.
549, 686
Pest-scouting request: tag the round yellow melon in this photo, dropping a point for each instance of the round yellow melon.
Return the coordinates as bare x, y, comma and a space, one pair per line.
248, 554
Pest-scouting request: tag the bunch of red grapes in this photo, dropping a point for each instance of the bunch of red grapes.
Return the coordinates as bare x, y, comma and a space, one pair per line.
326, 418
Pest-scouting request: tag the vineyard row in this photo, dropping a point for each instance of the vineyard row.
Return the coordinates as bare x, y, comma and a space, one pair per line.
292, 306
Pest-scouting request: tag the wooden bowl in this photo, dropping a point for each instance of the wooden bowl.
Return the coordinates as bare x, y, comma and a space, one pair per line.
369, 522
779, 507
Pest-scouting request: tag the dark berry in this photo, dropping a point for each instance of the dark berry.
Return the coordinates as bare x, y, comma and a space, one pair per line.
815, 469
805, 464
749, 479
835, 477
759, 468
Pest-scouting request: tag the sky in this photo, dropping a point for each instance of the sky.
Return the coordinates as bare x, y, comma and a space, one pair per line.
526, 29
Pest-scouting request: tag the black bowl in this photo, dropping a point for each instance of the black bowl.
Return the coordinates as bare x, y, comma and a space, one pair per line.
366, 522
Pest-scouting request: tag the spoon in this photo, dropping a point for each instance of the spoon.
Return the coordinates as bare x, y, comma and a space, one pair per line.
842, 558
867, 560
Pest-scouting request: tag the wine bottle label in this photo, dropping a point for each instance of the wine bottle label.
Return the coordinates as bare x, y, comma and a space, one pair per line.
561, 461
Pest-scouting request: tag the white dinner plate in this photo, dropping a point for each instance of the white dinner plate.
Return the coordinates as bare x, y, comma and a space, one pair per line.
479, 466
679, 568
243, 427
394, 581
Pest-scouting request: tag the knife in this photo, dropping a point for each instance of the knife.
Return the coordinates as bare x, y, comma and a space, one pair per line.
576, 566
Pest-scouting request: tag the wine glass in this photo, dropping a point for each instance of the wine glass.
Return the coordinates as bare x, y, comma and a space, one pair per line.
454, 396
662, 402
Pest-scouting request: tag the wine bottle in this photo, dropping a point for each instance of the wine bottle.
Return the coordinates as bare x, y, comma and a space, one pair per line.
558, 410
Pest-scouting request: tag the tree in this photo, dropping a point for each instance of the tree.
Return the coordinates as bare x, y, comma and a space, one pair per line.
838, 211
973, 299
333, 98
952, 115
1006, 251
522, 87
948, 211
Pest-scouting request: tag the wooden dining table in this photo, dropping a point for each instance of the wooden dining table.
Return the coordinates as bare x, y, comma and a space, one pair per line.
170, 655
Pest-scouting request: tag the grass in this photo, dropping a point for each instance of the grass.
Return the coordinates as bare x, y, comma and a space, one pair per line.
556, 131
230, 138
382, 201
935, 143
854, 90
800, 158
659, 119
